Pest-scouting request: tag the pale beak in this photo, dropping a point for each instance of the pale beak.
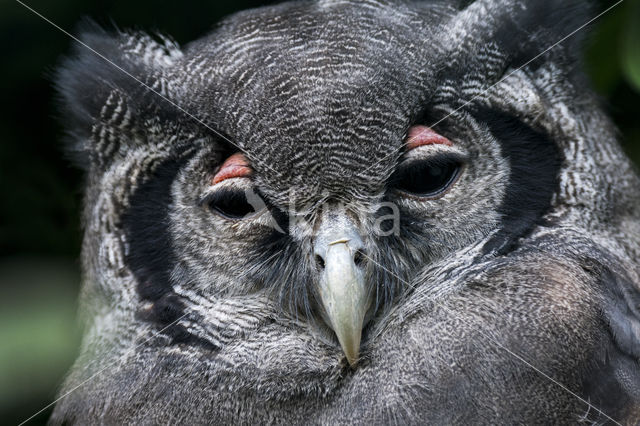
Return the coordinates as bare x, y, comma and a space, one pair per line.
341, 287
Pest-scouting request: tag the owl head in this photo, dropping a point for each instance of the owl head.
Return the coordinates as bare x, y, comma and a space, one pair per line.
295, 188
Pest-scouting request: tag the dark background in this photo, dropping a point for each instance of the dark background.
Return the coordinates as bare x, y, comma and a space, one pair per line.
41, 193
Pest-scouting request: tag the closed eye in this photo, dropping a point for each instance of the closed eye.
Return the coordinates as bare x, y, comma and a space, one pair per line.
428, 178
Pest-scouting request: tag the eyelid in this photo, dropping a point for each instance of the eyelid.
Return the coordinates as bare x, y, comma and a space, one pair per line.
434, 153
231, 184
228, 186
236, 165
421, 135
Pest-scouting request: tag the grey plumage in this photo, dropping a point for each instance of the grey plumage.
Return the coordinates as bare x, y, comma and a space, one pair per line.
529, 261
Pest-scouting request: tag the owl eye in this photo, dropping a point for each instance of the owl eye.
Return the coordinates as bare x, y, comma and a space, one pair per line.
428, 179
230, 203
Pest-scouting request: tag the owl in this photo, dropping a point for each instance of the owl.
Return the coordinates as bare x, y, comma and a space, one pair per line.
353, 212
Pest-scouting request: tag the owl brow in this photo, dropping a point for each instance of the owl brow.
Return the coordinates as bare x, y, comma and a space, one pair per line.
520, 358
482, 92
143, 84
504, 77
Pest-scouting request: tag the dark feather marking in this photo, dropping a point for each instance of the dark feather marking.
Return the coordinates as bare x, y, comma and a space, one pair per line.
146, 224
151, 256
535, 162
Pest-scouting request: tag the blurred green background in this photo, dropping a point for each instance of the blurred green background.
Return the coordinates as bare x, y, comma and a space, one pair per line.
41, 193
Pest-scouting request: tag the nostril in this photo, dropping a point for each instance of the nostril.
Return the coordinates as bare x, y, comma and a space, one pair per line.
319, 261
358, 258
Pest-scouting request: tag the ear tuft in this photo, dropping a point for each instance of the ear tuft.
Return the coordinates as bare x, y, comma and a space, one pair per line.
550, 22
523, 29
103, 88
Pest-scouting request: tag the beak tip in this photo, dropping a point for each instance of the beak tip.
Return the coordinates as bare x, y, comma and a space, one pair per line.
351, 350
353, 360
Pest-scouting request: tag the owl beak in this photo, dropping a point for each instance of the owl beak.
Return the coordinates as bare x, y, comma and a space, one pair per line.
342, 290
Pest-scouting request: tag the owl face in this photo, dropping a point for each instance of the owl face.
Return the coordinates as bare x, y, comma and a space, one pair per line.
293, 190
261, 208
321, 177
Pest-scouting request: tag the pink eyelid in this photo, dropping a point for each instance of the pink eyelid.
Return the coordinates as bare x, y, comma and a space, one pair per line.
234, 166
423, 135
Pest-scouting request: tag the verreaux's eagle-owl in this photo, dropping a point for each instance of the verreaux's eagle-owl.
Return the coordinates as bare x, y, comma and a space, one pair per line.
353, 212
